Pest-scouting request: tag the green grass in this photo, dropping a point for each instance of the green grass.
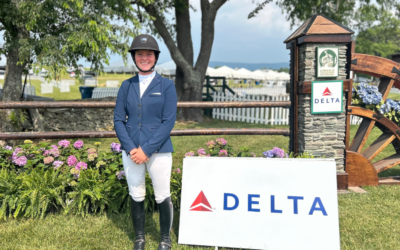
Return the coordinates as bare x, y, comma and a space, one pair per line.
394, 96
74, 93
367, 221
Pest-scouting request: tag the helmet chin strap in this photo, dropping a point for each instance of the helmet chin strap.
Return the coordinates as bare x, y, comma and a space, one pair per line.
144, 71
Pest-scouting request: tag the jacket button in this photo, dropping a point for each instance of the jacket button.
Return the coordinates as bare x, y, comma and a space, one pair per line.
140, 105
140, 115
139, 124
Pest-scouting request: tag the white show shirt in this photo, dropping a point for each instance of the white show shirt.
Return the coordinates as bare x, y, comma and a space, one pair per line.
144, 82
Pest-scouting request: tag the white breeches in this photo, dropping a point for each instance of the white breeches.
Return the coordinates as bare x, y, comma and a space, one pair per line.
159, 167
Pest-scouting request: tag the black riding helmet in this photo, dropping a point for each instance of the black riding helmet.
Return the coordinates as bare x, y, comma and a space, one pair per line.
146, 42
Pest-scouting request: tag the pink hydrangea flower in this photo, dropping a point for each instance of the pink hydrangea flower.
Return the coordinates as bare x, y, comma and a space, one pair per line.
54, 151
81, 165
78, 144
191, 153
64, 143
16, 152
48, 160
201, 151
254, 155
222, 153
20, 161
208, 155
57, 164
116, 147
210, 144
47, 152
178, 170
71, 160
278, 152
221, 141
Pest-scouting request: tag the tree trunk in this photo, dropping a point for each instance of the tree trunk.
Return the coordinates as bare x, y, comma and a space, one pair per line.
192, 89
11, 92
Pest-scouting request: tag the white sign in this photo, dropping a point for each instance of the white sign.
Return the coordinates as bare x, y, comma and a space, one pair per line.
112, 84
69, 82
257, 203
326, 97
64, 87
90, 83
327, 61
46, 88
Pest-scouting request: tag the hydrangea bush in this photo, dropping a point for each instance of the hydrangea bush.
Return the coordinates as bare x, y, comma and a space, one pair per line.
367, 96
37, 179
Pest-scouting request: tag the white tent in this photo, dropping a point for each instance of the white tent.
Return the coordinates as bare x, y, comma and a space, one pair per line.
284, 76
246, 74
213, 72
259, 75
229, 72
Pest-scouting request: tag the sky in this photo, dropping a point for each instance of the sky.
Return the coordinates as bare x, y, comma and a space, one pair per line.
237, 39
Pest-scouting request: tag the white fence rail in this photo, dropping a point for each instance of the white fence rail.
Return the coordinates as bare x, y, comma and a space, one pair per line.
268, 116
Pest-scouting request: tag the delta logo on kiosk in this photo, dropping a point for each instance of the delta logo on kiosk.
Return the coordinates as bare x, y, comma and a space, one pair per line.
326, 97
201, 204
327, 92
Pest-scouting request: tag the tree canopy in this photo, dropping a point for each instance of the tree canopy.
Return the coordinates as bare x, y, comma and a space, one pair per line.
57, 33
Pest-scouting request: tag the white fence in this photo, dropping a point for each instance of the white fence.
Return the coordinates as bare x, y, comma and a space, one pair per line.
268, 116
270, 91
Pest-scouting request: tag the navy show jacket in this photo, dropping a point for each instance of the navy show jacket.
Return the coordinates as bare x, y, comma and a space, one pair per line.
150, 118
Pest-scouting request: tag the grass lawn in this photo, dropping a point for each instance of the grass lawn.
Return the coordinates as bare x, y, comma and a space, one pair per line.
367, 221
74, 89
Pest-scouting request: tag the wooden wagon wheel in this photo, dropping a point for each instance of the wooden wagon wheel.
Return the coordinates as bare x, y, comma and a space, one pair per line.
359, 164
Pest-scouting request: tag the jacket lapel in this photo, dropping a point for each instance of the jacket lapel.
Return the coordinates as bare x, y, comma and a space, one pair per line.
135, 83
153, 83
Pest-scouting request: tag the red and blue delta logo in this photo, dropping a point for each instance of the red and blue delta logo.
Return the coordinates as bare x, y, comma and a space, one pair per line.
201, 204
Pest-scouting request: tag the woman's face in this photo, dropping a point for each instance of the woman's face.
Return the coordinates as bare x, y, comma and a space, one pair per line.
145, 59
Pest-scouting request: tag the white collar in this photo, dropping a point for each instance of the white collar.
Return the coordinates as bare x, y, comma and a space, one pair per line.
147, 77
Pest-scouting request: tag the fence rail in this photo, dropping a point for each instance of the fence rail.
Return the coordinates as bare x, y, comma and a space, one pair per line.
112, 134
269, 115
98, 104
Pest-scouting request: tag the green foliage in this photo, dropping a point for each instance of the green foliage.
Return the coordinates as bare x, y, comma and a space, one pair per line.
40, 192
379, 31
92, 193
10, 185
56, 34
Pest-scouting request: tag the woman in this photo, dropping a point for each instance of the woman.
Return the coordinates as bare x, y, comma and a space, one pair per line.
149, 101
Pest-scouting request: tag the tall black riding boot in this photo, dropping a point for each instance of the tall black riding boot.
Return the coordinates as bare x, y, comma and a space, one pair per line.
138, 220
166, 216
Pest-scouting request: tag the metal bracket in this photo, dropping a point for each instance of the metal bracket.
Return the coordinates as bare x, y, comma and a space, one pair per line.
350, 110
354, 61
395, 70
398, 132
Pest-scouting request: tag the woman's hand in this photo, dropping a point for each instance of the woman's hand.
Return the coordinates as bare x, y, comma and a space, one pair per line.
138, 156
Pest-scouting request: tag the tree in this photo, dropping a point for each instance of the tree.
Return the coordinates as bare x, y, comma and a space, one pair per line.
342, 11
55, 34
177, 36
378, 31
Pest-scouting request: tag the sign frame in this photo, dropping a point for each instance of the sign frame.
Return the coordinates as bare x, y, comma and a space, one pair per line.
336, 50
210, 216
326, 112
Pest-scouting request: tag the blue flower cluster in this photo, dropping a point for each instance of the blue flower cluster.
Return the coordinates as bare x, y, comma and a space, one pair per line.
388, 106
368, 94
